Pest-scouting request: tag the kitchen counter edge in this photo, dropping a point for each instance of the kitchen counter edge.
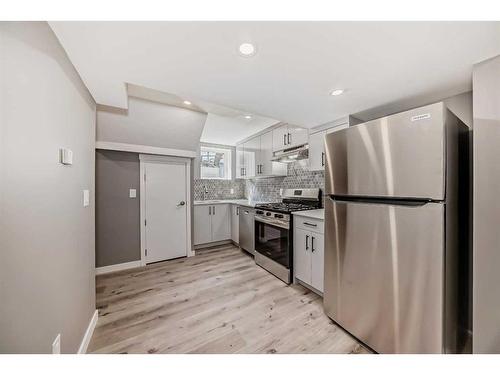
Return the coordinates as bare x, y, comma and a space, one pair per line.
314, 214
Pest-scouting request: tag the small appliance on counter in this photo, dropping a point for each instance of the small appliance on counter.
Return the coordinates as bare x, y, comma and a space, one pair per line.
274, 230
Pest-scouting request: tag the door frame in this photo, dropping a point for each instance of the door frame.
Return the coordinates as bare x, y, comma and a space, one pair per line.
143, 158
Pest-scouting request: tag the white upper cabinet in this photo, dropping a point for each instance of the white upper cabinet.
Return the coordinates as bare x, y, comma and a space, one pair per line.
297, 136
317, 156
265, 166
317, 151
240, 161
253, 158
280, 138
288, 136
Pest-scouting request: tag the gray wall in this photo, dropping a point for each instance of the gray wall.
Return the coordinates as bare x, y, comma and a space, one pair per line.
118, 237
46, 235
486, 212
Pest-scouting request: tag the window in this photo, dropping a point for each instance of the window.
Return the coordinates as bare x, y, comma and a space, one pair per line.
215, 163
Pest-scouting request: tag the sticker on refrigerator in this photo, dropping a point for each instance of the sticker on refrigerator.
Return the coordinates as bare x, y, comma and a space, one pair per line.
421, 117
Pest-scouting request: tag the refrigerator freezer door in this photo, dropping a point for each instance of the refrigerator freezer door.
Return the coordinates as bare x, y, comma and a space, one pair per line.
384, 270
397, 156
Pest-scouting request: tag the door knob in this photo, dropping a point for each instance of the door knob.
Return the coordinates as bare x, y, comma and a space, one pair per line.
181, 203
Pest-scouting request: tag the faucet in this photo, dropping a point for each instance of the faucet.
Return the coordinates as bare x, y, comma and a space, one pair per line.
205, 192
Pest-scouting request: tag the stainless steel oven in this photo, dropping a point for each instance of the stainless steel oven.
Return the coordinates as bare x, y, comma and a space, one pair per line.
273, 243
274, 230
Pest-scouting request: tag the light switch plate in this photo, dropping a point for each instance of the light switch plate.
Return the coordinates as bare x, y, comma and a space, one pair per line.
65, 156
56, 345
86, 198
132, 193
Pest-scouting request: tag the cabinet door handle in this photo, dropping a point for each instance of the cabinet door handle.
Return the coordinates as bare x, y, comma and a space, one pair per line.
307, 242
289, 138
284, 139
237, 210
214, 209
312, 244
309, 224
209, 210
322, 159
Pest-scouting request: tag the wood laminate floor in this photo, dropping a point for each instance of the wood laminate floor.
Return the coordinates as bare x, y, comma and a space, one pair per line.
218, 301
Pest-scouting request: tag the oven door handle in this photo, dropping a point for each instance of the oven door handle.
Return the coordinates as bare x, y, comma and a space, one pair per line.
272, 223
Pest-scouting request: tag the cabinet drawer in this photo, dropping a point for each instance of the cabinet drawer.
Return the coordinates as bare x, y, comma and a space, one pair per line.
306, 223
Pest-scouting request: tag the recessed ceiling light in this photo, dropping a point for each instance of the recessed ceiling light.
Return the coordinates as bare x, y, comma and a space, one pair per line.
337, 92
187, 102
247, 49
248, 117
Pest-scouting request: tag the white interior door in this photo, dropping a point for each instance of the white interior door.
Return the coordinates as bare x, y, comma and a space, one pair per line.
165, 208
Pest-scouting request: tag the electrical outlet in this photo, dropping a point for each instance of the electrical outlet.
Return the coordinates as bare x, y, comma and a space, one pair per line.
86, 198
56, 345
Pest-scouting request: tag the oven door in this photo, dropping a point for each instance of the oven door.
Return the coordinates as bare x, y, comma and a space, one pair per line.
273, 241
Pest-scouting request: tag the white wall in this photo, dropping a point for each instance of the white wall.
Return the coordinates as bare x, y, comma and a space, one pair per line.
486, 212
46, 235
151, 124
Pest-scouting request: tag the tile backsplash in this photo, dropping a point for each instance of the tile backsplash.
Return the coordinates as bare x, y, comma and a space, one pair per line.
299, 176
261, 189
219, 189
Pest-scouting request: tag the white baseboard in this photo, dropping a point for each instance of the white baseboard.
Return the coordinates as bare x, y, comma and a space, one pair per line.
88, 334
118, 267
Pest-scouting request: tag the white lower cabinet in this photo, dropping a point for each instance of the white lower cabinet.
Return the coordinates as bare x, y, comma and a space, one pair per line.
202, 224
317, 261
309, 252
235, 223
302, 262
212, 223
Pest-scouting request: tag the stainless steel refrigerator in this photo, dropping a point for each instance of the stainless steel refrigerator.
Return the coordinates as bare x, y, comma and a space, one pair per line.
396, 223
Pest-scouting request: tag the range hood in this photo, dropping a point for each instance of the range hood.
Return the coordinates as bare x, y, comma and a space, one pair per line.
291, 155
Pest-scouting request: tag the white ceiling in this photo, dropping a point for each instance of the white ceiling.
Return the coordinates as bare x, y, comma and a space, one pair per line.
152, 124
229, 130
296, 65
223, 125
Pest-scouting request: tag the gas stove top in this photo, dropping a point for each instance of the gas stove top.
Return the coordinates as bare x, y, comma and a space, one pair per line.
285, 207
294, 200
